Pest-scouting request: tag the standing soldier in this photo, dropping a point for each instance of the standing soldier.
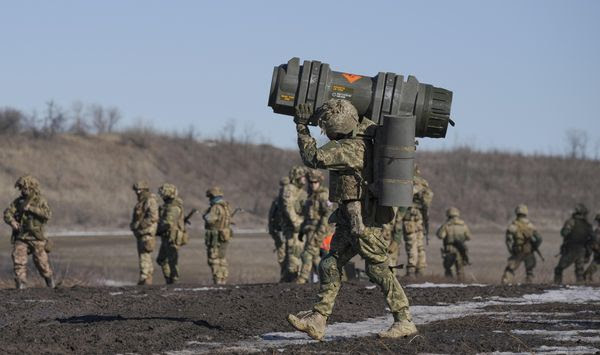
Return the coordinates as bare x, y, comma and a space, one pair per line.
275, 226
454, 234
347, 157
143, 225
293, 199
171, 230
594, 247
522, 241
577, 233
422, 198
412, 230
316, 225
217, 225
27, 215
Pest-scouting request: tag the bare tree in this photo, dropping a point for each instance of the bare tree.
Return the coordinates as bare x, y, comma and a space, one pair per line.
11, 120
80, 124
99, 121
113, 116
228, 131
54, 119
577, 141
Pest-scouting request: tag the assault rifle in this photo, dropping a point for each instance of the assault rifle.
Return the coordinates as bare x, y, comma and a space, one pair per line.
537, 251
187, 219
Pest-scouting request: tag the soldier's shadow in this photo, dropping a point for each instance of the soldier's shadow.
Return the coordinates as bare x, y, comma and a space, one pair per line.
94, 318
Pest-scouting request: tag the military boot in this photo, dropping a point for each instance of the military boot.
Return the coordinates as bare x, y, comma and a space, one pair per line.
506, 277
147, 281
558, 278
301, 280
310, 322
20, 284
399, 329
50, 282
529, 279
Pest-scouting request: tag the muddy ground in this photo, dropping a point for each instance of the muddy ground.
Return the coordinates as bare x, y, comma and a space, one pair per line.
191, 318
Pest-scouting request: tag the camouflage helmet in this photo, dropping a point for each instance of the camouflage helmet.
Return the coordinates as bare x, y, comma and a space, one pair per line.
141, 185
452, 212
337, 117
167, 191
314, 175
214, 192
284, 181
521, 210
296, 173
581, 209
27, 182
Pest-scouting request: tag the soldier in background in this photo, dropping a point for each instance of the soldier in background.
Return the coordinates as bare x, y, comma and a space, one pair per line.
218, 232
143, 225
276, 226
594, 247
27, 215
422, 198
316, 226
454, 234
412, 230
293, 199
347, 157
171, 230
522, 241
576, 233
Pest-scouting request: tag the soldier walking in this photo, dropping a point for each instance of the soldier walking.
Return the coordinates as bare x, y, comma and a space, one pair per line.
143, 225
293, 199
416, 226
454, 234
576, 233
276, 226
218, 232
171, 230
522, 241
346, 157
594, 247
27, 215
316, 225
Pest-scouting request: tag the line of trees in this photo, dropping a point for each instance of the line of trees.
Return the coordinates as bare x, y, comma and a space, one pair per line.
79, 119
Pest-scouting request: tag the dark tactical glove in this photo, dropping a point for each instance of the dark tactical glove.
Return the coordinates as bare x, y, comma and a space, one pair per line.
303, 113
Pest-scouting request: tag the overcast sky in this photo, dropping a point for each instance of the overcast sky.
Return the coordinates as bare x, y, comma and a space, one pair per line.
522, 72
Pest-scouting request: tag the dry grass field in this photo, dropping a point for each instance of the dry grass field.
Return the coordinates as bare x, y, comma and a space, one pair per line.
112, 260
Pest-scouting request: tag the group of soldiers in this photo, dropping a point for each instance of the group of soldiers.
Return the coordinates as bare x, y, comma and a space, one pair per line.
169, 223
29, 212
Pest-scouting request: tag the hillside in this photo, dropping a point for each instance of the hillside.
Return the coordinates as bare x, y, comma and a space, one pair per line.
87, 179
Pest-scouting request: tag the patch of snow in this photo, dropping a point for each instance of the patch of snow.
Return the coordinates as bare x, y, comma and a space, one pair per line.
40, 301
563, 335
371, 287
198, 289
431, 284
115, 293
115, 283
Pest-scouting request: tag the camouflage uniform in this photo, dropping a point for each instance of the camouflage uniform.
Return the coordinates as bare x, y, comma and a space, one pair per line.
275, 226
143, 225
454, 234
416, 226
393, 234
316, 226
348, 157
414, 241
577, 233
217, 225
293, 199
171, 230
27, 215
594, 247
522, 239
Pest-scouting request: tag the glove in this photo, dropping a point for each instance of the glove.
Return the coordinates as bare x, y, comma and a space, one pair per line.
303, 113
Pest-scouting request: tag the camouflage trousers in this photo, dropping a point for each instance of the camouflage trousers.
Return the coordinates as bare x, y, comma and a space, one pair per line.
145, 247
588, 275
514, 261
373, 248
216, 260
452, 258
293, 254
572, 254
21, 249
280, 251
415, 253
168, 256
311, 256
393, 249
